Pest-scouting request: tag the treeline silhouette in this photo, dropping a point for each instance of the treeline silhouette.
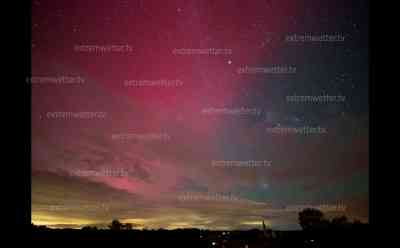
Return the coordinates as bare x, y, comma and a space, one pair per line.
317, 231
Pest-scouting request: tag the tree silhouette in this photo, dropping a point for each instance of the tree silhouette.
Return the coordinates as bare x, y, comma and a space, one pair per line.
311, 218
340, 221
116, 225
128, 226
89, 228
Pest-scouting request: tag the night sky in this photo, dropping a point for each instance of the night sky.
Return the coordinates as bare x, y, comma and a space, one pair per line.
140, 128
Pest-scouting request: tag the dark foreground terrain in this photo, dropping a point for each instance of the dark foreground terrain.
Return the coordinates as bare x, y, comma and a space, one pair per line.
358, 236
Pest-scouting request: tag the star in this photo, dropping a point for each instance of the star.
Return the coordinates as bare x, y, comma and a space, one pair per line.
229, 61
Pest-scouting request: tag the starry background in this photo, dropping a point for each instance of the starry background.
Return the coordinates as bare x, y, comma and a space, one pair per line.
313, 169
